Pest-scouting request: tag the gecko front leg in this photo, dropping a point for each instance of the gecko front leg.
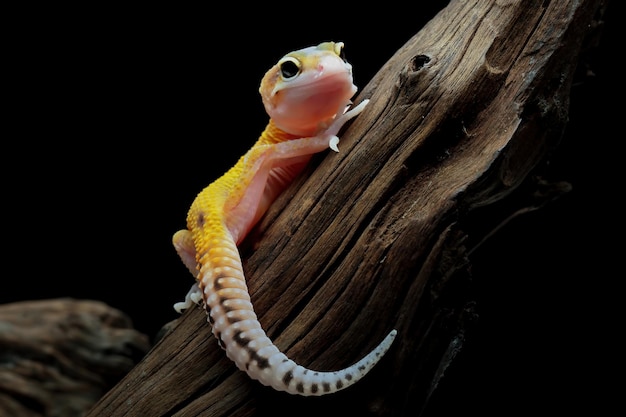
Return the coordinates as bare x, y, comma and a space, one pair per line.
336, 126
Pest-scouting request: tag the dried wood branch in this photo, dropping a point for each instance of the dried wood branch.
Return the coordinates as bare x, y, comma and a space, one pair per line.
377, 236
60, 356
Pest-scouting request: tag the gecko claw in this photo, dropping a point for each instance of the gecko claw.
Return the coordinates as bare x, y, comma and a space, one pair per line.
332, 144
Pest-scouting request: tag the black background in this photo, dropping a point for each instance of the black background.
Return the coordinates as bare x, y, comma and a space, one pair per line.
122, 115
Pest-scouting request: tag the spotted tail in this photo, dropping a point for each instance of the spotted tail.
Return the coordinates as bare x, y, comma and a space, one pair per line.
238, 331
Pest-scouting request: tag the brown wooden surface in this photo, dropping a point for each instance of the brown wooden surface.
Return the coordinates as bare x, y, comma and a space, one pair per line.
376, 237
58, 357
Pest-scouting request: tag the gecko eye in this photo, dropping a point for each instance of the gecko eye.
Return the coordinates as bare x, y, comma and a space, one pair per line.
289, 68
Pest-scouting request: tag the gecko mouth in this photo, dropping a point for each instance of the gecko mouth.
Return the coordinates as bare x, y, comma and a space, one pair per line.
337, 85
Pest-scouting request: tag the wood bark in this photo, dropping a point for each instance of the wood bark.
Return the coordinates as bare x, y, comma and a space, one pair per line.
378, 236
58, 357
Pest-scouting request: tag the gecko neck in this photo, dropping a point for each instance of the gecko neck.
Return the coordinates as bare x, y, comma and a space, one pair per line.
277, 134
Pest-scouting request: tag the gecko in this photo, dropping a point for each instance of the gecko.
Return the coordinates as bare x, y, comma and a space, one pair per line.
307, 95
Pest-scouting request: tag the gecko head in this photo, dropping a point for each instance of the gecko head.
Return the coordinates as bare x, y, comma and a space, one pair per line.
307, 88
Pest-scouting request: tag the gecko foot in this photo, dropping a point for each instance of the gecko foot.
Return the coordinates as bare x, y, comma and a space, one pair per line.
334, 128
193, 297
